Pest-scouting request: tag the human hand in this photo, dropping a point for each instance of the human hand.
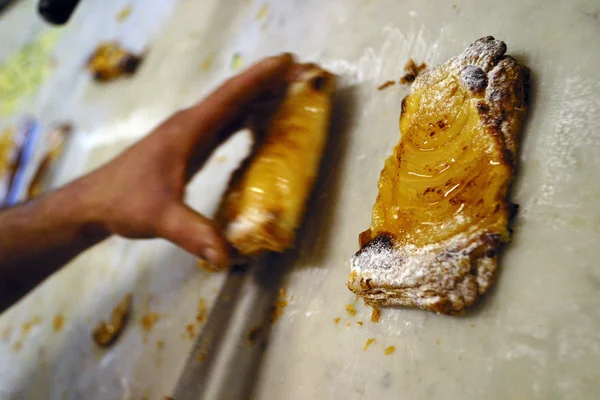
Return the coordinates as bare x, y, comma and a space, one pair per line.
140, 194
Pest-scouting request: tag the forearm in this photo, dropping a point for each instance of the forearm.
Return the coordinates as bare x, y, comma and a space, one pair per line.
38, 237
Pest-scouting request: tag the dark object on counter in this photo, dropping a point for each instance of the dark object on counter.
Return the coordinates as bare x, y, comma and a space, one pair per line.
110, 61
106, 333
5, 3
57, 12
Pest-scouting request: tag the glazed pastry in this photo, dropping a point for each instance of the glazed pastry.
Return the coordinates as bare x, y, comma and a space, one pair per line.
267, 196
442, 210
110, 61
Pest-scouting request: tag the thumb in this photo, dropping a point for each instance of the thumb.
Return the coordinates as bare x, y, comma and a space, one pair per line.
186, 228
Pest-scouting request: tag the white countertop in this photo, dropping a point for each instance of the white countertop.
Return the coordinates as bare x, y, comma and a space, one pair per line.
535, 336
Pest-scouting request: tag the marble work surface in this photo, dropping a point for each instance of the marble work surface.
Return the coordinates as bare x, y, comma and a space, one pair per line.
535, 336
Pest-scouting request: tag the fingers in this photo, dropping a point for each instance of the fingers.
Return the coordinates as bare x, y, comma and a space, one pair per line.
193, 232
204, 121
200, 154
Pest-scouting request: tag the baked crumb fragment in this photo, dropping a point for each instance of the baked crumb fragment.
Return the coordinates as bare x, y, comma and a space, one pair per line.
124, 13
279, 305
205, 266
58, 323
375, 315
412, 71
148, 320
106, 333
386, 85
351, 310
202, 311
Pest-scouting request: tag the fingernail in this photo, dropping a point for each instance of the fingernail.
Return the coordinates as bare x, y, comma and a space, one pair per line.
212, 256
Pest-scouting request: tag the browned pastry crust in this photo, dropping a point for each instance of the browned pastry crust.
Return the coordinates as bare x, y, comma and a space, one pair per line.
447, 269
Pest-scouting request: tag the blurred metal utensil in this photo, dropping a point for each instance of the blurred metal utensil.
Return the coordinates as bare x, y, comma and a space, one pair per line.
27, 140
196, 372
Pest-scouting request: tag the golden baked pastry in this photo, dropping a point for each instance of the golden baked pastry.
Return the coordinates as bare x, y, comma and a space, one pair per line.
267, 196
442, 209
110, 61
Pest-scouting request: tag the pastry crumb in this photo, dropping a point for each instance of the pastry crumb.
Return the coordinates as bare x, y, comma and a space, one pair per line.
375, 315
336, 320
107, 332
205, 266
386, 85
351, 310
220, 159
262, 12
279, 305
412, 71
202, 311
190, 331
124, 13
390, 350
369, 342
27, 325
149, 320
58, 323
359, 323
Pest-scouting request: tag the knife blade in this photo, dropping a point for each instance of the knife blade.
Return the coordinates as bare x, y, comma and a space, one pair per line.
193, 382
